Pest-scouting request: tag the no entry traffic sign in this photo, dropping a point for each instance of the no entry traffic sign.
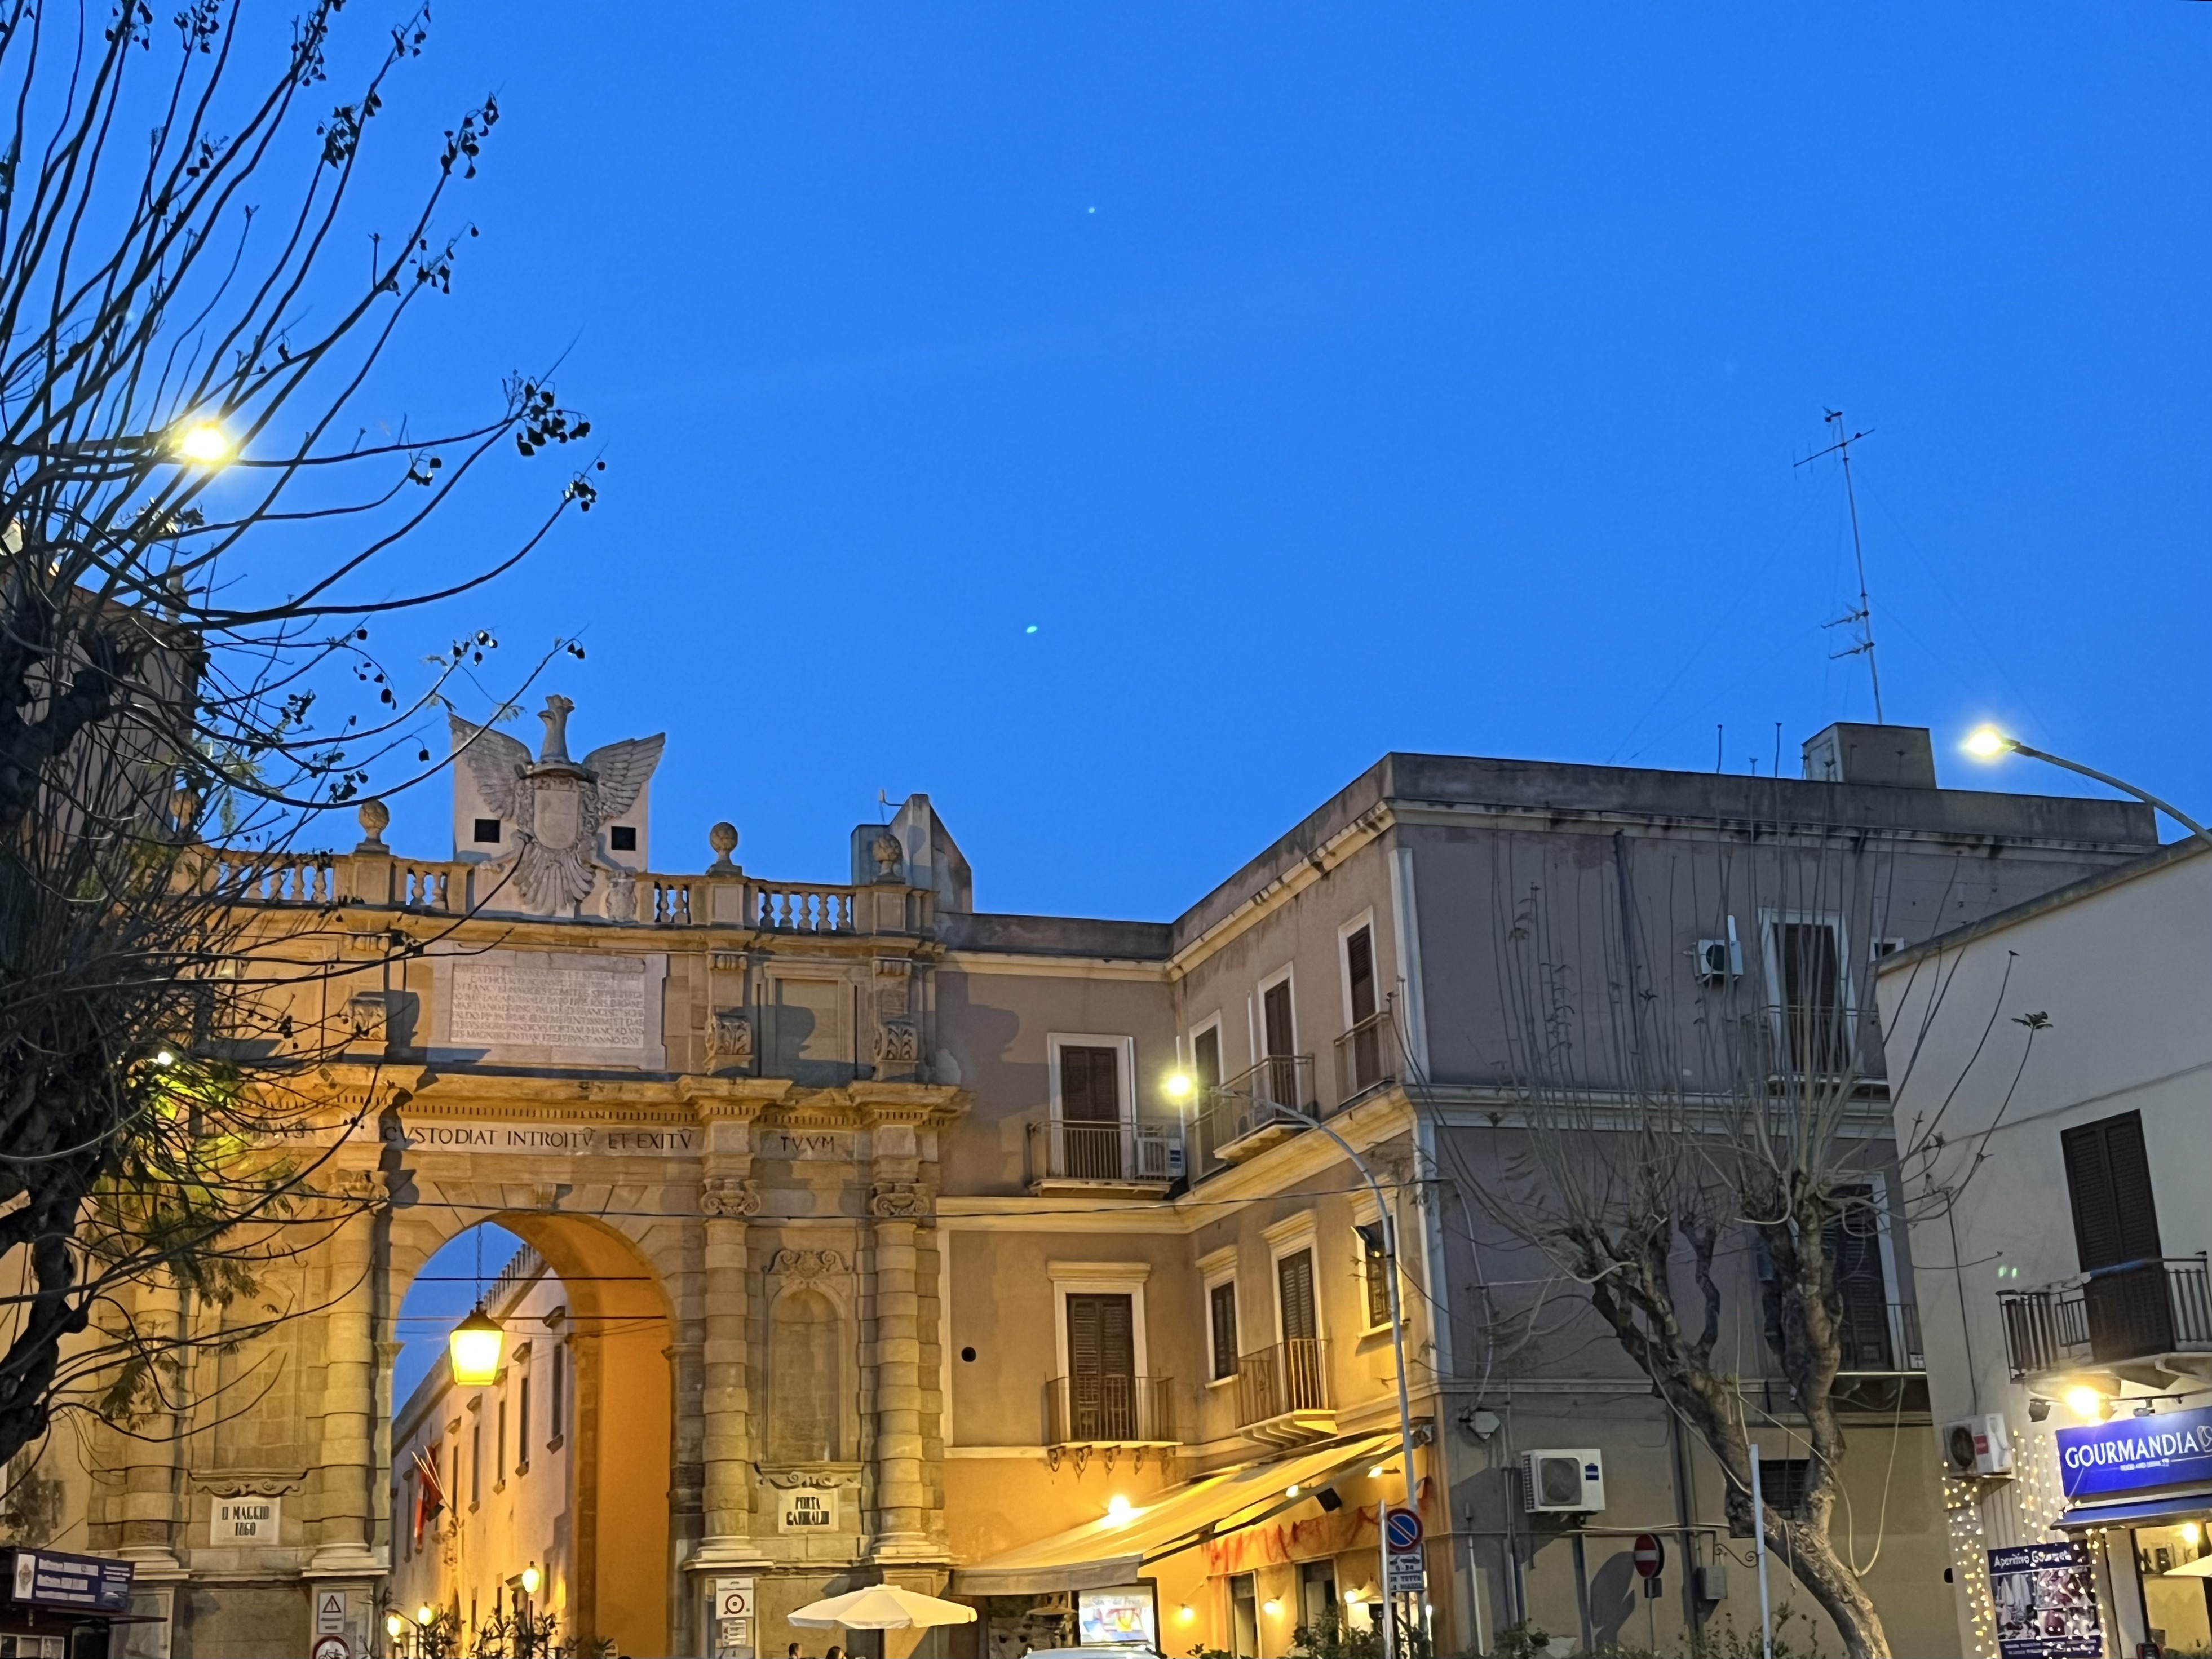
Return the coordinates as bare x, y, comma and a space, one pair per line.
1401, 1530
1650, 1555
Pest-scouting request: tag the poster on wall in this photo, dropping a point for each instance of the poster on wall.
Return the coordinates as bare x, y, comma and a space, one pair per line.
2046, 1602
1117, 1618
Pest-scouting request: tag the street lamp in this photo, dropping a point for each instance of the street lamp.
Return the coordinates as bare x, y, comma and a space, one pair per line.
530, 1579
1987, 743
475, 1348
205, 443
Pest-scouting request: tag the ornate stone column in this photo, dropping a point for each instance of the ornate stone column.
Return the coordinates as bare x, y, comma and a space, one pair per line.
897, 1205
346, 1442
728, 1200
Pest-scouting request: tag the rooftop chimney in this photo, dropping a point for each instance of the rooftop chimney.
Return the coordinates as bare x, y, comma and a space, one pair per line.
1901, 756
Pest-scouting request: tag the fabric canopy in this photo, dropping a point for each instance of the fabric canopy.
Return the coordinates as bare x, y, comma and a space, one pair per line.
881, 1607
1111, 1550
2143, 1512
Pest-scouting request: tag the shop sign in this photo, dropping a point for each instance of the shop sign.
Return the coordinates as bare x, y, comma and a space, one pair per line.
2046, 1602
47, 1578
1117, 1618
2165, 1449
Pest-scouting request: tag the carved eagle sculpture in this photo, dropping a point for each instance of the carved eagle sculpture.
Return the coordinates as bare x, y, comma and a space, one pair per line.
556, 805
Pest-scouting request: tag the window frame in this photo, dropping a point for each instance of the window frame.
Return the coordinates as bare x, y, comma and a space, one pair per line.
1772, 920
1125, 1065
1099, 1279
1367, 1213
1343, 932
1214, 1270
1287, 1239
1211, 1022
1286, 975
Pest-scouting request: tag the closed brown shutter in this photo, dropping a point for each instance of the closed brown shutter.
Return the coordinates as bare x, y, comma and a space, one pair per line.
2108, 1179
1223, 1304
1205, 1059
1090, 1085
1101, 1337
1294, 1278
1275, 1011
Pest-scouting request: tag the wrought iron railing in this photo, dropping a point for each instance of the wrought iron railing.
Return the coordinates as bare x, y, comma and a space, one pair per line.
1882, 1338
1292, 1376
1109, 1410
1109, 1154
1366, 1057
2135, 1310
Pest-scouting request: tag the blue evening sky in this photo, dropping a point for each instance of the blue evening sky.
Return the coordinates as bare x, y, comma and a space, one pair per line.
1316, 381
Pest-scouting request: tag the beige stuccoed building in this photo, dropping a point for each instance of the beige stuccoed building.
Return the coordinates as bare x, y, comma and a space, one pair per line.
990, 1255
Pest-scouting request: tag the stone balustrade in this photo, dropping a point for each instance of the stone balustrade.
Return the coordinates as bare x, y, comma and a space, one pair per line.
727, 898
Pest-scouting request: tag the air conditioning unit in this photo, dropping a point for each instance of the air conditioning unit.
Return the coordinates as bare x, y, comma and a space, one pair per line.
1569, 1482
1719, 960
1977, 1445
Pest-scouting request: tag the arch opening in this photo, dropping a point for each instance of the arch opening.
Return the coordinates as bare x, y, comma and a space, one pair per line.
544, 1493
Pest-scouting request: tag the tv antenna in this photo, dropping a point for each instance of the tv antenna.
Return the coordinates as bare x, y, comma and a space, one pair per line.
1861, 621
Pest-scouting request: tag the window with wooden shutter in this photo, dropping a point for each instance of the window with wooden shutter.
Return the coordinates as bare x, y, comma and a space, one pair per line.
1206, 1060
1279, 1032
1294, 1280
1375, 1272
1853, 1242
1102, 1366
1365, 1051
1089, 1084
2108, 1179
2128, 1312
1090, 1127
1221, 1304
1815, 1027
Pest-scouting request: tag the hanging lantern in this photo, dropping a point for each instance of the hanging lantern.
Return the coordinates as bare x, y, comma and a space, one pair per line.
475, 1348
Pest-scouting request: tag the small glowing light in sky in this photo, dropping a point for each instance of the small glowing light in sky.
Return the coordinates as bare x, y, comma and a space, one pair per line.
1090, 209
1031, 629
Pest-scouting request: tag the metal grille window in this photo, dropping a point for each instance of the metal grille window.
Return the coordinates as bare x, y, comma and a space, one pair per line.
1783, 1482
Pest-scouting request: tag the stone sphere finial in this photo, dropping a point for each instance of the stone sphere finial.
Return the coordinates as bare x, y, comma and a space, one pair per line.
375, 817
723, 838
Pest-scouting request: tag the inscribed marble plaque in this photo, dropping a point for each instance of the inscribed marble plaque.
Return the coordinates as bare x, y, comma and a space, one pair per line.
594, 1003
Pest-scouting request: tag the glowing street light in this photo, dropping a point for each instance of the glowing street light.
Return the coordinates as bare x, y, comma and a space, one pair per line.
1118, 1509
424, 1614
475, 1348
531, 1580
2085, 1403
1988, 743
1178, 1086
204, 444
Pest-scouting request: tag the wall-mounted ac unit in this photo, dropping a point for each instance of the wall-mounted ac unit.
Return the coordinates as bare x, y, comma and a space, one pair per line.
1977, 1445
1719, 960
1568, 1482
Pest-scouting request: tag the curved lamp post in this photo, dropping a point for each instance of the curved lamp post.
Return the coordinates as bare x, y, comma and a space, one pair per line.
1987, 743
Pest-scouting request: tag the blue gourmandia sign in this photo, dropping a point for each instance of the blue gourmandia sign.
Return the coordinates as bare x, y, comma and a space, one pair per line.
2130, 1452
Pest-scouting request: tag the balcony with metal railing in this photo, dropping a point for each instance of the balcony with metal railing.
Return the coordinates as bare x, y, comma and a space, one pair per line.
1367, 1058
2148, 1321
1283, 1394
1144, 1158
1256, 1109
1882, 1339
1098, 1410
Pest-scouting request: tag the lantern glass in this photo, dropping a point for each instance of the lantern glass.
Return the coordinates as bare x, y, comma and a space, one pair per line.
475, 1348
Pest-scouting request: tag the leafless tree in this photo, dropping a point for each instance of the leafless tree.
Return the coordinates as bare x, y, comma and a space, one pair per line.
1671, 1123
194, 521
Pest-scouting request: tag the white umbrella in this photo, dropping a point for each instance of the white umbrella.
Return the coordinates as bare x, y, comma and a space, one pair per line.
882, 1607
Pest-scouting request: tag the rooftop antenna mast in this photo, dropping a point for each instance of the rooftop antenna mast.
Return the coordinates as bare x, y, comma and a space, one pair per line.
1861, 620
